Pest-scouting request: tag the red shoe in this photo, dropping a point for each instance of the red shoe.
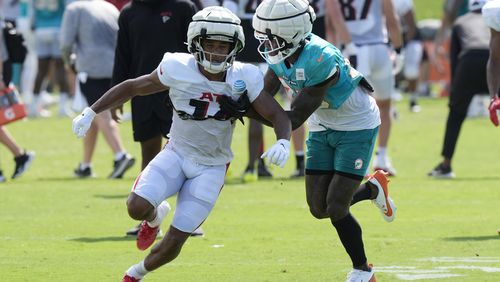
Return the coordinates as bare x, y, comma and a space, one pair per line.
127, 278
146, 236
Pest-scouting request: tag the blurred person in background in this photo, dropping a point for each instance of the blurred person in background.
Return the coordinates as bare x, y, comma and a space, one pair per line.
11, 10
47, 23
90, 29
367, 22
413, 49
469, 52
22, 158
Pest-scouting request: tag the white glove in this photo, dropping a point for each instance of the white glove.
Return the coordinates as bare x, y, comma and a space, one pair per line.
81, 123
398, 61
278, 154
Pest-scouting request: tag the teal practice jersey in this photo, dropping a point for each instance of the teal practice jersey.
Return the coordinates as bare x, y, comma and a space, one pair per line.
316, 63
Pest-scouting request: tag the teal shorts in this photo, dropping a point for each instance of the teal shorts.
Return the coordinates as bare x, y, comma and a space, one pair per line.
343, 151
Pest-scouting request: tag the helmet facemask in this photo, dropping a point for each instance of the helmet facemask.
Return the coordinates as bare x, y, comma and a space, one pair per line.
273, 48
210, 61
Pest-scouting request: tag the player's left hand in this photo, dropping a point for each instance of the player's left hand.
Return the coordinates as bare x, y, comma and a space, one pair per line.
279, 153
117, 113
82, 123
235, 109
493, 108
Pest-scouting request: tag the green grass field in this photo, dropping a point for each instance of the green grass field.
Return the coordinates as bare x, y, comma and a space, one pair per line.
56, 228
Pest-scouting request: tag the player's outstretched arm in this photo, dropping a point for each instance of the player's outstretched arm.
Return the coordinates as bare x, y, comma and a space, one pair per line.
271, 87
116, 96
121, 93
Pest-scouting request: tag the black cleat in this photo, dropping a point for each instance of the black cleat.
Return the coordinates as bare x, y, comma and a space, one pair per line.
121, 166
441, 171
83, 173
23, 162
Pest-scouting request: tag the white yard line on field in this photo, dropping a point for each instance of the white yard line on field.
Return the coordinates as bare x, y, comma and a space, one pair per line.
444, 270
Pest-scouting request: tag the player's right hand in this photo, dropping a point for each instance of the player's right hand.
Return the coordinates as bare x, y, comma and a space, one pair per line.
82, 123
279, 153
493, 108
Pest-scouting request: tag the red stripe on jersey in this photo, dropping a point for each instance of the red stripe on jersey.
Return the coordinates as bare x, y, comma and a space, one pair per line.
137, 181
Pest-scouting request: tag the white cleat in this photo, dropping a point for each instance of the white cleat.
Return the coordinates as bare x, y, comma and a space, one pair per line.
357, 275
383, 201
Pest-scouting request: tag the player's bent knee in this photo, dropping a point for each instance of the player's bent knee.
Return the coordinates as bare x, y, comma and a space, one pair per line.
336, 211
318, 213
138, 208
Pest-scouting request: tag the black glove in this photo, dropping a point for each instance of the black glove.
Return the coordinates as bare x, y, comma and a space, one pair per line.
366, 85
235, 109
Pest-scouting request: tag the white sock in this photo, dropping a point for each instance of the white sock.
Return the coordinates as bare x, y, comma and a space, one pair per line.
84, 165
381, 155
119, 155
137, 271
299, 153
381, 151
161, 211
35, 103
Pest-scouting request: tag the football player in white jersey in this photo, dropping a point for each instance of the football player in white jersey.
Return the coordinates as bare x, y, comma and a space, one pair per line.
369, 21
491, 14
194, 162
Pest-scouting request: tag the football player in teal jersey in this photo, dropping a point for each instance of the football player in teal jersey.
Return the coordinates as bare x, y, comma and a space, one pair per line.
343, 120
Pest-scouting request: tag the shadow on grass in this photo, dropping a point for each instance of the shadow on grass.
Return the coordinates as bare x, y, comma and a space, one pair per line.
101, 196
479, 178
103, 239
473, 238
238, 180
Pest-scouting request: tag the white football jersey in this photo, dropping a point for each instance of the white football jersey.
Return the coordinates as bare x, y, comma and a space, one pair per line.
402, 6
204, 139
491, 14
365, 21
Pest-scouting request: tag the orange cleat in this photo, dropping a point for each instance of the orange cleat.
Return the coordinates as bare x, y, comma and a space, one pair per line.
383, 201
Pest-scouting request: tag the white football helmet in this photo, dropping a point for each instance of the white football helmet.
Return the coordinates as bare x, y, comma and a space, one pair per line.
215, 23
476, 4
281, 26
